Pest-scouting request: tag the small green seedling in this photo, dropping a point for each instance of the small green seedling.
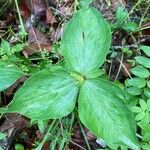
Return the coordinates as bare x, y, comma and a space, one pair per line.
7, 49
54, 94
139, 89
122, 20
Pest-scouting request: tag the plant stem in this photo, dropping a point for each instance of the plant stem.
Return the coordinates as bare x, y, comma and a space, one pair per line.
85, 138
119, 67
20, 19
46, 136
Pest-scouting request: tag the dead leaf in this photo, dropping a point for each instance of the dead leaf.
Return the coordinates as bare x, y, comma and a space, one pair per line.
25, 9
37, 41
39, 8
50, 19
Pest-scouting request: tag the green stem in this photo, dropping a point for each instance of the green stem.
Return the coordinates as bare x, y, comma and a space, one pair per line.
45, 137
85, 138
20, 19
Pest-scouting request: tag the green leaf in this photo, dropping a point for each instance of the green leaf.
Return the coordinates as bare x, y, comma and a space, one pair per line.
144, 61
5, 46
130, 26
41, 125
136, 109
140, 116
18, 47
136, 82
143, 104
19, 147
102, 110
148, 83
146, 137
9, 73
45, 95
96, 74
85, 3
148, 104
86, 41
145, 49
2, 135
121, 14
147, 92
140, 72
146, 147
134, 90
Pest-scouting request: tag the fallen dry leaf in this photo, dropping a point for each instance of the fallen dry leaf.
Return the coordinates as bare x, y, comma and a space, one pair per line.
39, 8
50, 19
37, 41
25, 9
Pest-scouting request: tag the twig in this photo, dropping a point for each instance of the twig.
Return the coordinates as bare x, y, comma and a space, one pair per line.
125, 46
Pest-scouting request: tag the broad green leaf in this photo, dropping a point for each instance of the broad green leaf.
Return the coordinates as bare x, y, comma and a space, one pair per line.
134, 90
144, 61
140, 71
102, 110
145, 49
9, 73
86, 41
136, 82
46, 95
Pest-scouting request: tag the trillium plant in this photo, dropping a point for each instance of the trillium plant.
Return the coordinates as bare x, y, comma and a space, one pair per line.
54, 94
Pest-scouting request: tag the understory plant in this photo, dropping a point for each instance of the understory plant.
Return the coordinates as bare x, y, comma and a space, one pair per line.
139, 89
53, 94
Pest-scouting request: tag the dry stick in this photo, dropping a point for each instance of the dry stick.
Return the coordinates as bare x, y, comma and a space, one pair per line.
136, 45
125, 46
119, 67
124, 68
77, 145
38, 43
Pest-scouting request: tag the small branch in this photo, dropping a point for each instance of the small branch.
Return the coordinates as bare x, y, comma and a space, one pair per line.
136, 45
125, 46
